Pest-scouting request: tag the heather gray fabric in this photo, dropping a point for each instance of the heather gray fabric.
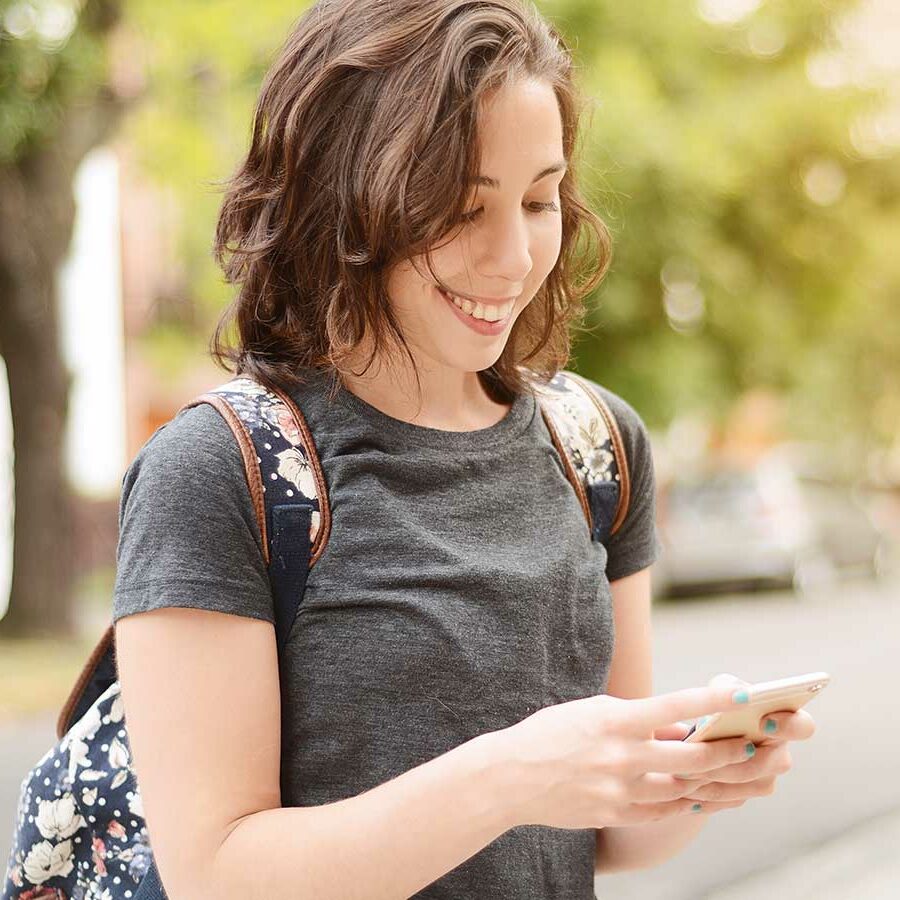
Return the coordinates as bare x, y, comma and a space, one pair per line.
458, 593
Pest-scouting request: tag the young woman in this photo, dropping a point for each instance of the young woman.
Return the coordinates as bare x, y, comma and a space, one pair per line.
465, 708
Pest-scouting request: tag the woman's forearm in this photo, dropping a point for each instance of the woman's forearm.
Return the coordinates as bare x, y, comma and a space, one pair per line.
388, 842
626, 847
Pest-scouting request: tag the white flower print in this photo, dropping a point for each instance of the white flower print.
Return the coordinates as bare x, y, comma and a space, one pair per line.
58, 818
598, 461
78, 756
46, 860
93, 774
118, 754
95, 892
294, 467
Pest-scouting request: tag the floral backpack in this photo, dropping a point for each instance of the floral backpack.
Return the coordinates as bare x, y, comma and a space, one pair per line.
80, 832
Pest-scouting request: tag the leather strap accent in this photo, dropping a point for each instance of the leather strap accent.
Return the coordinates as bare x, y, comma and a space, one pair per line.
574, 480
87, 673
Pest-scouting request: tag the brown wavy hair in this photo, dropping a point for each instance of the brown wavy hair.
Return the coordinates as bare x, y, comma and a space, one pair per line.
364, 144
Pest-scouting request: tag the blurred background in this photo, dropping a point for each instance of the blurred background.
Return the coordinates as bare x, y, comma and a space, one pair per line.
746, 156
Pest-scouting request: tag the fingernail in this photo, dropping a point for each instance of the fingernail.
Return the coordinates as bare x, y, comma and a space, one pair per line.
750, 748
771, 725
740, 696
696, 807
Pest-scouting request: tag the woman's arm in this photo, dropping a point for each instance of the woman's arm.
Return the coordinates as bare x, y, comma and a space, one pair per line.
388, 842
631, 676
201, 696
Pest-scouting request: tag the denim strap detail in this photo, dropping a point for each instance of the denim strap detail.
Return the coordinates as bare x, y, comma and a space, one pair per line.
289, 563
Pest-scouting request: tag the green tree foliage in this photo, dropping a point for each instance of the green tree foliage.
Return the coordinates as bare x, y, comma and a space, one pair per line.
204, 64
754, 229
752, 219
52, 55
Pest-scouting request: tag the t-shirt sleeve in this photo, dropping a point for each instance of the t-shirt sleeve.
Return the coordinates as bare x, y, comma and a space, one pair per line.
188, 534
637, 542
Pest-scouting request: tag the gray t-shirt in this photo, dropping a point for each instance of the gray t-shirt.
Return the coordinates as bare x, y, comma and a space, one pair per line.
458, 593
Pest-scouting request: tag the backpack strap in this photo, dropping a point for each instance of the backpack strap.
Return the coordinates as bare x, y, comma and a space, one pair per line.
290, 498
286, 484
587, 437
289, 495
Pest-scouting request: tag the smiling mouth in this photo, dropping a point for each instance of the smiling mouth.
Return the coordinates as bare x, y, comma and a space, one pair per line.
467, 307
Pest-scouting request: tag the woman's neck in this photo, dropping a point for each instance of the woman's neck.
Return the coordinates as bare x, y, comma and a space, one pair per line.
454, 401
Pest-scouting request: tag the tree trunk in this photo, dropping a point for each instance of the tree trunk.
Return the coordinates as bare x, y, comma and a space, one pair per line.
35, 231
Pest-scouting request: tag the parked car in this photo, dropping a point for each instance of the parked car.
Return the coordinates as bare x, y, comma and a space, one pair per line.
849, 535
728, 527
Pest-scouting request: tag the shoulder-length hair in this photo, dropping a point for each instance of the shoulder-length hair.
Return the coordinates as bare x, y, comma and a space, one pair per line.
364, 147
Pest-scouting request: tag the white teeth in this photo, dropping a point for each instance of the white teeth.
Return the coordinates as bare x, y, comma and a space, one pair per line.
480, 311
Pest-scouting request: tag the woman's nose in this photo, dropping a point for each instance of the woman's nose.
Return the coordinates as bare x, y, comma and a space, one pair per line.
506, 251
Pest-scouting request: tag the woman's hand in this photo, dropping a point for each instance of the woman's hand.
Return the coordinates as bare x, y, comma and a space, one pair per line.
594, 762
732, 785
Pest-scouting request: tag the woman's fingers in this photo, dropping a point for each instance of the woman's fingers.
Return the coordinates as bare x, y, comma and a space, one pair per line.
675, 732
687, 758
720, 792
769, 759
647, 714
789, 726
658, 787
640, 813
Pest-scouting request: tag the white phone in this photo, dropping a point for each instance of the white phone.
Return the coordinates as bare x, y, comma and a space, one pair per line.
766, 697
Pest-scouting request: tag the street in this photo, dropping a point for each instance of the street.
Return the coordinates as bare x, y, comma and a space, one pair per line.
843, 776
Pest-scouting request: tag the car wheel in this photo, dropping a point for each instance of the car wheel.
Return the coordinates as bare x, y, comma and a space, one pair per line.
813, 572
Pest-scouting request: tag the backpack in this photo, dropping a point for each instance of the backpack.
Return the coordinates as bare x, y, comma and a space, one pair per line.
80, 832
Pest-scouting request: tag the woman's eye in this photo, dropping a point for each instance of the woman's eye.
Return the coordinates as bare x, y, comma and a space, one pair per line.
533, 207
544, 207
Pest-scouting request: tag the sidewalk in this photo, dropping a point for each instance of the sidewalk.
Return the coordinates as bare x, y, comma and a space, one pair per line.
861, 864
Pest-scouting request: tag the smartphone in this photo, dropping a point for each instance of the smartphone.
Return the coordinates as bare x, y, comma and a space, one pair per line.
779, 695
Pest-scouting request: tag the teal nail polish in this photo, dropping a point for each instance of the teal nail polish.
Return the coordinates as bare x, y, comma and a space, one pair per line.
696, 807
771, 725
750, 748
740, 696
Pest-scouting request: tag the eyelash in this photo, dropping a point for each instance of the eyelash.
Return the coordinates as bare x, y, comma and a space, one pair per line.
541, 208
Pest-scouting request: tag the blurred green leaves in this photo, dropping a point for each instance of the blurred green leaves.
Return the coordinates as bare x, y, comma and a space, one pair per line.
754, 230
46, 61
725, 162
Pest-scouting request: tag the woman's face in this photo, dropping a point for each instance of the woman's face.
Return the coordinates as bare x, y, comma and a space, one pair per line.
506, 248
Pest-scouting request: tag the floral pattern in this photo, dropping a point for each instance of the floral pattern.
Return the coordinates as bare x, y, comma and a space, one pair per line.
80, 830
582, 428
283, 459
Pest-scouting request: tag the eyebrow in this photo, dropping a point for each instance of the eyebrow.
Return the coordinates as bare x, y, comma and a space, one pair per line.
487, 181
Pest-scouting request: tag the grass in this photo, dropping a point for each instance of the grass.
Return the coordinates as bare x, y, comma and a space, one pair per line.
37, 674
